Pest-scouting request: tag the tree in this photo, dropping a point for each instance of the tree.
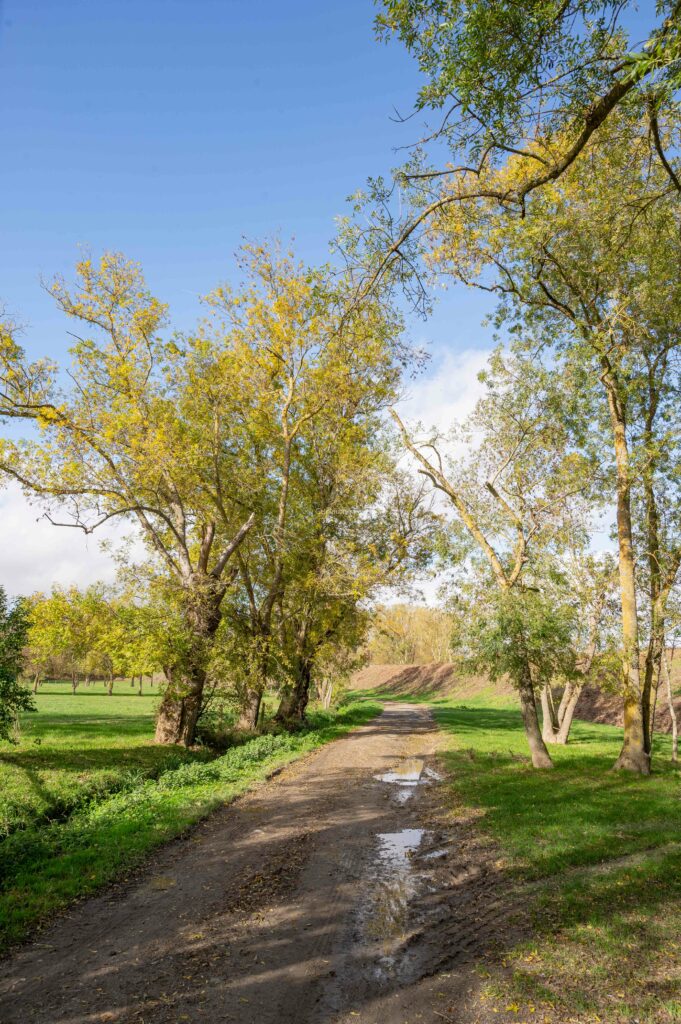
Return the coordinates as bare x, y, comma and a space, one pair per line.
536, 83
64, 624
410, 634
518, 495
140, 434
14, 697
368, 530
588, 594
316, 387
195, 437
591, 272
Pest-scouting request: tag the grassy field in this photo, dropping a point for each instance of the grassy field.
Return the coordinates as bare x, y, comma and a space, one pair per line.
94, 796
76, 747
602, 852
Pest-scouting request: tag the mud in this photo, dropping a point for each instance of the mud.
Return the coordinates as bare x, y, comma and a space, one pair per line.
321, 896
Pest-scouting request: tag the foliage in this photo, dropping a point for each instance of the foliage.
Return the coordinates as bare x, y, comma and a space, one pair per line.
206, 439
495, 63
530, 87
590, 275
409, 634
14, 698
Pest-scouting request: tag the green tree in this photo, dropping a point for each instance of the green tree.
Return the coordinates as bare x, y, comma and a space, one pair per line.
591, 272
410, 634
14, 697
140, 435
519, 494
535, 83
194, 438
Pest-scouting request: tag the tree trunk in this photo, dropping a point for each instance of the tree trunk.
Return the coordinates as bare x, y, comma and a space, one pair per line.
672, 710
74, 683
633, 756
556, 725
651, 672
294, 702
139, 692
568, 713
250, 710
183, 700
180, 709
528, 707
549, 717
326, 693
110, 686
36, 681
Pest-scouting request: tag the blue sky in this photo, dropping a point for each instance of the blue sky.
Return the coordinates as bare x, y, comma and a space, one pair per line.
168, 129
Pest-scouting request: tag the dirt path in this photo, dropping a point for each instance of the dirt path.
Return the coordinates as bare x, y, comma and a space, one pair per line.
324, 895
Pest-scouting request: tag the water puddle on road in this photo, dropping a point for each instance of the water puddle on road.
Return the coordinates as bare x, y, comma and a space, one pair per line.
393, 886
408, 773
405, 778
395, 878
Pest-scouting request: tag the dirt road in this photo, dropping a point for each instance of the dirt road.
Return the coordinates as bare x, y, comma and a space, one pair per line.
326, 894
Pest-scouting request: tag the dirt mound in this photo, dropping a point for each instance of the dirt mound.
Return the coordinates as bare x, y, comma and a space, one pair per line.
441, 678
606, 708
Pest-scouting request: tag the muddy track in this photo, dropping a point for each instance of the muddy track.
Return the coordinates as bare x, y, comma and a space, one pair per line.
325, 894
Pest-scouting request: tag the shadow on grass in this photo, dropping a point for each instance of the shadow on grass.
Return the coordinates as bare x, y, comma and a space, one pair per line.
608, 944
579, 813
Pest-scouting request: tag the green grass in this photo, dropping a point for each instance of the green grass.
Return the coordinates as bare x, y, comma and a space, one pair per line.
77, 747
46, 865
580, 813
601, 851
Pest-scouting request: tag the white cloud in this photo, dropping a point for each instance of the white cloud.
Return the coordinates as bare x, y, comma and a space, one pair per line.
447, 392
35, 554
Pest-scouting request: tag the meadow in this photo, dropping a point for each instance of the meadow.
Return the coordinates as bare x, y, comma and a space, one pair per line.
600, 854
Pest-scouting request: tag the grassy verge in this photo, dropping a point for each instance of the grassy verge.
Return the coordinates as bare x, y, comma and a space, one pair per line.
77, 747
47, 865
603, 850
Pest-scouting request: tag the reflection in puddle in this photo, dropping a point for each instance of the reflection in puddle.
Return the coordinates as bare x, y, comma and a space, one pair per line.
394, 885
397, 846
408, 773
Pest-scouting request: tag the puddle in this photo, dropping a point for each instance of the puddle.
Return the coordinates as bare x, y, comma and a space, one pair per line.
393, 886
408, 773
395, 847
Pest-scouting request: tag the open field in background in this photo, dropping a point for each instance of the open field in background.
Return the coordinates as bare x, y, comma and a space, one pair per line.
599, 851
86, 794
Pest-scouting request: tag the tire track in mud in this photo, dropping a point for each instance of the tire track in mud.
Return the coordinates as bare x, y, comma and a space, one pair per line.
260, 915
